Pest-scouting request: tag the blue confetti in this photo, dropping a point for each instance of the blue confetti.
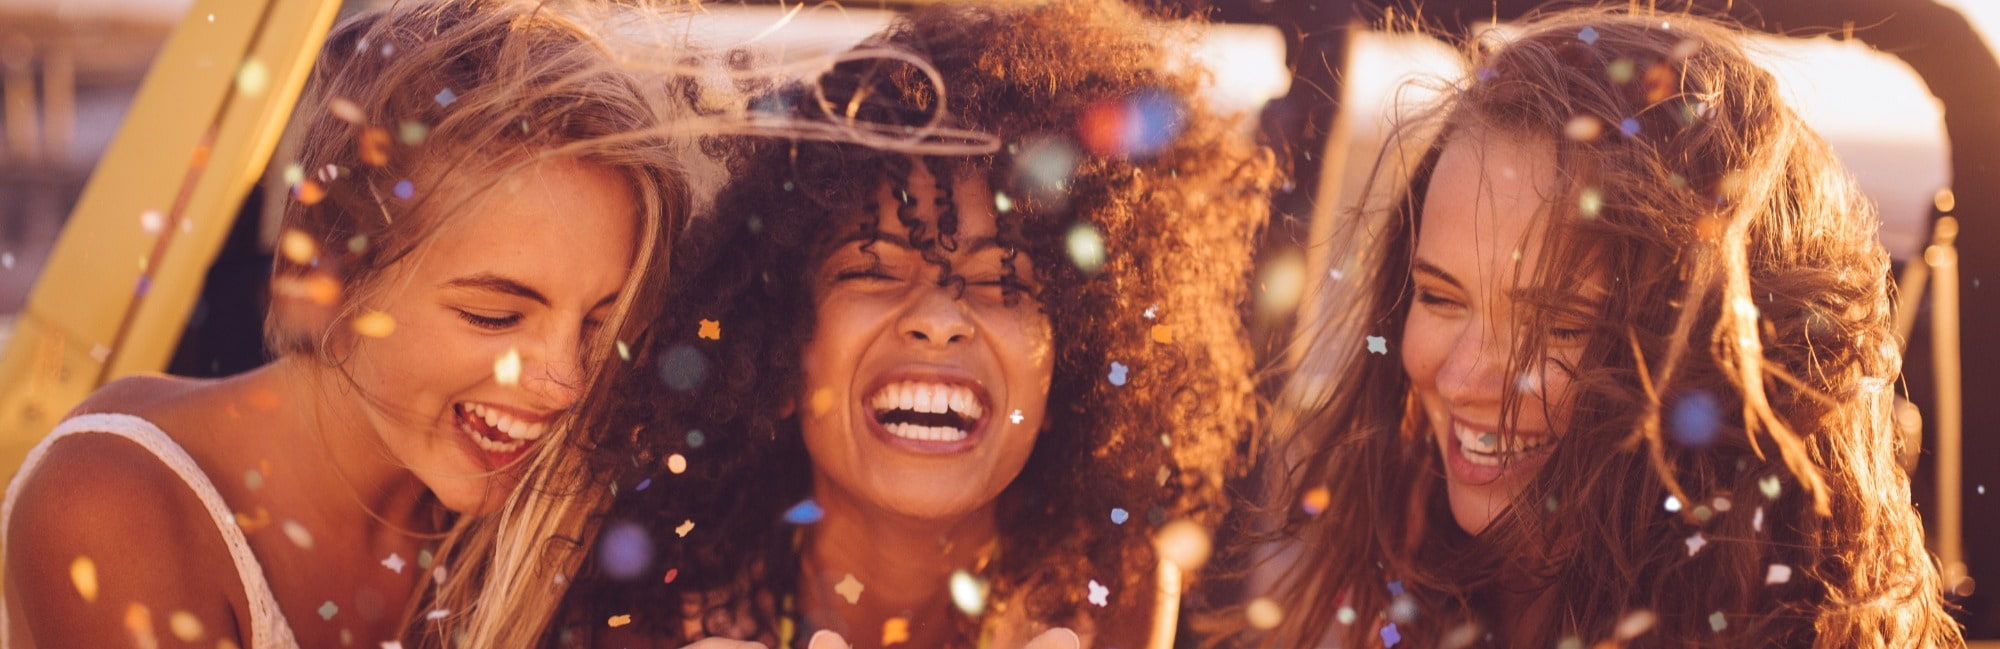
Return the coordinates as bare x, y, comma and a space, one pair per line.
1396, 588
445, 97
1588, 35
806, 512
625, 550
1629, 126
1118, 373
405, 189
1119, 516
1390, 636
643, 484
1697, 419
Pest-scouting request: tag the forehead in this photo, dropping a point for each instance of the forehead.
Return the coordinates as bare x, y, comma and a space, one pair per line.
971, 201
1487, 201
557, 215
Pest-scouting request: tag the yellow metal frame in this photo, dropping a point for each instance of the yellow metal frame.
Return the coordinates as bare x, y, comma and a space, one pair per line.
124, 276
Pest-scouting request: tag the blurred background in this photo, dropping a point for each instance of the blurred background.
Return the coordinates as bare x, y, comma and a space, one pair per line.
70, 70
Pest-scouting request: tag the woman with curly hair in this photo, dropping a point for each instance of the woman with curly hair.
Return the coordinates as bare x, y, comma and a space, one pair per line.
938, 401
1614, 368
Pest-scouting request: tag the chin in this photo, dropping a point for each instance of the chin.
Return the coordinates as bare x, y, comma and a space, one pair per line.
1472, 512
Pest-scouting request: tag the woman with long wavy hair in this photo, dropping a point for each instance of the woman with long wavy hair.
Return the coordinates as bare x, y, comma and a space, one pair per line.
1613, 365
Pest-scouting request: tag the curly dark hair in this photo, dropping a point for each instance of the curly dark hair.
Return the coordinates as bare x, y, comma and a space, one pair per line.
1178, 227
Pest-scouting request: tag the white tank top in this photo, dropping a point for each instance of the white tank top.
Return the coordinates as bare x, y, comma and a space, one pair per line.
268, 629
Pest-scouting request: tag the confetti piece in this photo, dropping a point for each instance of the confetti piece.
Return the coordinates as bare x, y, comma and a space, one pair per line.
1620, 71
251, 523
392, 644
1717, 621
683, 368
1163, 334
253, 479
1378, 345
1583, 128
412, 133
1587, 35
152, 222
822, 401
1099, 595
1769, 485
1757, 521
1016, 417
1345, 615
1390, 636
686, 526
1184, 543
806, 512
424, 559
710, 330
253, 78
1316, 500
299, 535
437, 614
1118, 371
677, 464
328, 610
297, 247
968, 593
1673, 504
185, 626
1118, 516
1721, 504
405, 189
1396, 588
850, 588
394, 563
374, 146
83, 575
1636, 624
643, 484
1403, 610
1695, 543
7, 260
1777, 573
619, 620
695, 439
1590, 203
375, 324
624, 352
895, 630
445, 97
1569, 642
437, 574
1945, 200
139, 625
1086, 247
507, 368
625, 550
1696, 420
1045, 165
1264, 614
1629, 127
1001, 203
672, 574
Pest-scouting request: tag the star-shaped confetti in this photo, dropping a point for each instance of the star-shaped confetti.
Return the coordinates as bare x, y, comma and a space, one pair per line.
1016, 417
394, 563
1118, 371
1099, 595
710, 330
686, 526
328, 610
1390, 636
1695, 543
1587, 35
1378, 345
849, 589
445, 97
822, 401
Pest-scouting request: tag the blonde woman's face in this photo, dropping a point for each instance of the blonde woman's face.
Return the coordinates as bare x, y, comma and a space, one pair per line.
1478, 241
492, 317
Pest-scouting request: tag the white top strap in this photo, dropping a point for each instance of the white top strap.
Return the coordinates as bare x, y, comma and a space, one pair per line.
268, 629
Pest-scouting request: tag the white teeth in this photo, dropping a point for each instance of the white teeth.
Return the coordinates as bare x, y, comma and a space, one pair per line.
925, 433
515, 429
1488, 449
932, 398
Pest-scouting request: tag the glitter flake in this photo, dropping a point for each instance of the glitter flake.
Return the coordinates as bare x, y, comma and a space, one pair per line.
849, 589
1378, 345
1099, 595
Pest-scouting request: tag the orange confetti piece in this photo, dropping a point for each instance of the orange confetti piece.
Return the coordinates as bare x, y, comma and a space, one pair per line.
677, 463
822, 401
375, 324
619, 620
298, 247
139, 625
1316, 500
252, 523
895, 630
375, 146
83, 575
309, 192
1163, 334
185, 626
711, 330
686, 526
346, 110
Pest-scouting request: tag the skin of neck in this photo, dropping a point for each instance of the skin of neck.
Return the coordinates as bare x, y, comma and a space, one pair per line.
333, 444
904, 564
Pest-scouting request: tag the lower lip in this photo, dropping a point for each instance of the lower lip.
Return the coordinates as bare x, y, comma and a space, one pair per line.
1463, 471
927, 446
491, 460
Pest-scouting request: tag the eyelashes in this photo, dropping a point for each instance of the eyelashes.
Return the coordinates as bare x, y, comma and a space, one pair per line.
489, 322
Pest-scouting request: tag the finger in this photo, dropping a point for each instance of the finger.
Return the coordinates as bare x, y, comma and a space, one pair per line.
827, 640
1056, 638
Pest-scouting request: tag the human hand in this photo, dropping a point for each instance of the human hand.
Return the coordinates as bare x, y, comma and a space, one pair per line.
1057, 638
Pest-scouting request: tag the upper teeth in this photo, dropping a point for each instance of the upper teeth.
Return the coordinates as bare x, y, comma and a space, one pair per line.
512, 427
1484, 447
929, 397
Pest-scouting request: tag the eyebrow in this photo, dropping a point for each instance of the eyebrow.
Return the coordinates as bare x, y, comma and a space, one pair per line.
980, 244
1425, 268
509, 286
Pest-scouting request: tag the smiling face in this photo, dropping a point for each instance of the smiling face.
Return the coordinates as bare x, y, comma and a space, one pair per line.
1479, 240
923, 400
492, 317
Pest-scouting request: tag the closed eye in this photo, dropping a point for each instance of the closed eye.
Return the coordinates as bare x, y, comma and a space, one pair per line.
490, 322
867, 274
1434, 299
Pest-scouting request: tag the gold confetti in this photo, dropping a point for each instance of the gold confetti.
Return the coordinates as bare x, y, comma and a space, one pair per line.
185, 626
895, 630
252, 523
346, 110
375, 146
822, 401
507, 368
1163, 334
227, 643
1945, 201
849, 589
677, 463
1316, 500
375, 324
686, 526
710, 329
619, 620
299, 535
310, 193
83, 575
139, 625
1583, 128
252, 78
1264, 614
1636, 624
298, 247
1184, 543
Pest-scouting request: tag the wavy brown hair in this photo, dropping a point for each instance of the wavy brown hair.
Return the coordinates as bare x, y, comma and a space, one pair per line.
1178, 228
1743, 269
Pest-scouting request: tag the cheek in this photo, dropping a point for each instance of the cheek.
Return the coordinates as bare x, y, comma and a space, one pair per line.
1423, 350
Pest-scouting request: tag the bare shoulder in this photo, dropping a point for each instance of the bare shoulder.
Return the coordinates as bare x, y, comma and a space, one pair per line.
101, 534
137, 395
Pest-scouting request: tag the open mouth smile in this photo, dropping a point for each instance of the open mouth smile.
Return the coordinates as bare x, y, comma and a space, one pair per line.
500, 436
929, 414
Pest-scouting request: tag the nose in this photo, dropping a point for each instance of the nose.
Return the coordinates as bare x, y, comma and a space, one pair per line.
937, 316
556, 375
1472, 372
